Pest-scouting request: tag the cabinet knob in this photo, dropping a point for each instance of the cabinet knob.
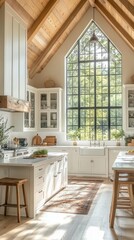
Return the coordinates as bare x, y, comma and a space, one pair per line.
92, 161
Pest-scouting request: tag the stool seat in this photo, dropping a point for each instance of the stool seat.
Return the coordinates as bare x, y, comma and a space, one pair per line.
17, 182
12, 181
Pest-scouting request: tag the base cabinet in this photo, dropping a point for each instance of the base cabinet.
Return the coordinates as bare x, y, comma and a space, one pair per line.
50, 178
44, 181
92, 165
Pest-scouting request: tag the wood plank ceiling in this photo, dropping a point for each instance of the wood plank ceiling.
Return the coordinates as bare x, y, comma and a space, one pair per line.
50, 21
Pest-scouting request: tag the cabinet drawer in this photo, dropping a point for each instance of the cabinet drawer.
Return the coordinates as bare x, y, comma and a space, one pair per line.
39, 171
39, 182
39, 198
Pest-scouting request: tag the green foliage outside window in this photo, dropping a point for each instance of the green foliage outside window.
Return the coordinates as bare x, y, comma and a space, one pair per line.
94, 87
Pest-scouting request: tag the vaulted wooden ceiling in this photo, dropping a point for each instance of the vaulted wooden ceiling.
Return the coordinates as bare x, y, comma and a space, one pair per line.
50, 21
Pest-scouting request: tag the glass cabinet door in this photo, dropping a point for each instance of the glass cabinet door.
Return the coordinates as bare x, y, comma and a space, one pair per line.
29, 117
50, 108
130, 98
32, 112
43, 101
53, 120
53, 100
26, 115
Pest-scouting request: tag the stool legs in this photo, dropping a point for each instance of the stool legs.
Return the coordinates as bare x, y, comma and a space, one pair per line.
6, 200
114, 200
131, 195
25, 203
18, 202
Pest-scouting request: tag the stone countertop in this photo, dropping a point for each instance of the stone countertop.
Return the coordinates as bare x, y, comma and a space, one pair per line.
30, 162
124, 161
78, 146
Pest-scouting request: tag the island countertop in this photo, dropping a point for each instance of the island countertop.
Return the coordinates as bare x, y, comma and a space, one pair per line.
124, 161
29, 162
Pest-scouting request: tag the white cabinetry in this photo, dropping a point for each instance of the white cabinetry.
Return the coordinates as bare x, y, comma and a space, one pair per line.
30, 120
27, 121
50, 109
44, 180
73, 161
50, 178
92, 165
128, 110
13, 35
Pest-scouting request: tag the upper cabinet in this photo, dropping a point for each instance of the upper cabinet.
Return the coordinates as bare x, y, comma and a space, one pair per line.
128, 112
27, 121
50, 108
30, 117
13, 34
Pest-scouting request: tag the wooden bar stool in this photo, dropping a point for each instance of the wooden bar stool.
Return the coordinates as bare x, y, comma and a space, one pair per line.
17, 183
123, 196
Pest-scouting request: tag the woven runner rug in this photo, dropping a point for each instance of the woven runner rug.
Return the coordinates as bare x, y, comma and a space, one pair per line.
76, 198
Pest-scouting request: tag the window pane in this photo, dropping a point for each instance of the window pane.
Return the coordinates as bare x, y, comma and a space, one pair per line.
94, 86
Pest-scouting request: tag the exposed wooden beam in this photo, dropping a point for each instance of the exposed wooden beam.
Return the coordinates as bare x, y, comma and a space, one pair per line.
1, 2
121, 12
128, 5
40, 60
115, 24
21, 11
39, 21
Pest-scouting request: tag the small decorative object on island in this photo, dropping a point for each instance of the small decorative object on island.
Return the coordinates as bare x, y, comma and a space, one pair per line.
74, 135
40, 153
117, 134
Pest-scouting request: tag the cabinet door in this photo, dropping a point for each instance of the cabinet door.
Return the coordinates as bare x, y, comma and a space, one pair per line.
92, 165
128, 110
73, 158
50, 109
30, 117
14, 54
49, 180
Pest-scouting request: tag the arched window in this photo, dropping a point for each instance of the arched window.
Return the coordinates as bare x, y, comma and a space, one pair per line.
94, 87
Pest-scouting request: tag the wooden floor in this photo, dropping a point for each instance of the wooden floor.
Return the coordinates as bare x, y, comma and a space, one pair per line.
60, 226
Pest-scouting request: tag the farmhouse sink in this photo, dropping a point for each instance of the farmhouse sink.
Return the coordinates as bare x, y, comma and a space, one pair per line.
92, 151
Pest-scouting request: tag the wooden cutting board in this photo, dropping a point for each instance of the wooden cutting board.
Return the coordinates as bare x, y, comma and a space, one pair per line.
37, 140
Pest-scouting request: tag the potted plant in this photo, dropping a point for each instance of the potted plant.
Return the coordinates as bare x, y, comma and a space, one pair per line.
117, 134
4, 131
74, 135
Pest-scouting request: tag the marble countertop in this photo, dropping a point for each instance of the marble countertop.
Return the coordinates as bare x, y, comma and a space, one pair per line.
124, 161
29, 162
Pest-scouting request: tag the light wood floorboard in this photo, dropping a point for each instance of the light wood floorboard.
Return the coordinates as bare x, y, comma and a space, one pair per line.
62, 226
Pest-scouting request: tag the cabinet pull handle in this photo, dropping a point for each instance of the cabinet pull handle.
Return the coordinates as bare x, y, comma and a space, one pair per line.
40, 177
55, 175
51, 163
40, 169
40, 191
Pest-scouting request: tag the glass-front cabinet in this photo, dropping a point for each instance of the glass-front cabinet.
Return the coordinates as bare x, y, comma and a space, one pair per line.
129, 107
50, 108
30, 117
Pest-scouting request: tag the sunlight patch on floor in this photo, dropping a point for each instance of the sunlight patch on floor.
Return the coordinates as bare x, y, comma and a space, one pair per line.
95, 232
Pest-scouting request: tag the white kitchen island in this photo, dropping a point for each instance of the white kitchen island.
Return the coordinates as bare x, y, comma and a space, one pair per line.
46, 176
